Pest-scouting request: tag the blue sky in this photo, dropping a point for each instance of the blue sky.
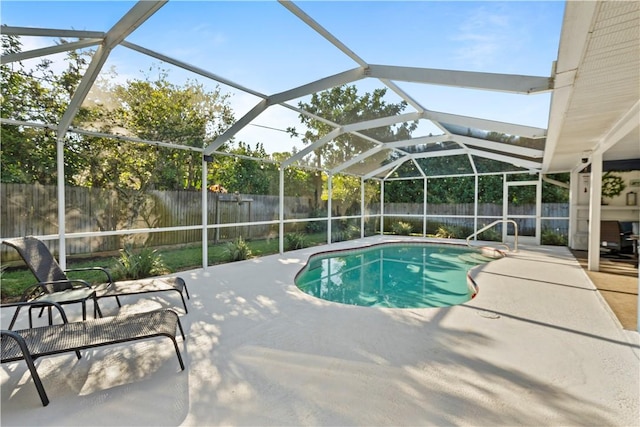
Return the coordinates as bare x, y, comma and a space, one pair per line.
263, 46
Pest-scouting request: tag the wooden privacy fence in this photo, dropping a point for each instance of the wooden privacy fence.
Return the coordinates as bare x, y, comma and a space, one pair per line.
31, 209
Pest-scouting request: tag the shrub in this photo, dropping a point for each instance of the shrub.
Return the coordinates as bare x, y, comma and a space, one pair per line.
131, 265
294, 241
238, 250
551, 237
313, 227
490, 235
338, 236
450, 232
353, 232
402, 228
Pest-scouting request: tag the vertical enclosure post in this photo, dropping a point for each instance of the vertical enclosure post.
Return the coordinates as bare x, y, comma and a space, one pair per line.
329, 206
281, 212
424, 208
362, 208
205, 216
62, 247
475, 207
382, 207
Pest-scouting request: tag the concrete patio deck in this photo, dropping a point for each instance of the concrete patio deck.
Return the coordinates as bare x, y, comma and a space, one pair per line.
537, 346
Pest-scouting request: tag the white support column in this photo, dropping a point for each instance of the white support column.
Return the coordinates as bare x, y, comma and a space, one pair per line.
205, 216
362, 208
539, 209
475, 206
382, 208
281, 212
62, 254
574, 191
424, 208
329, 206
505, 206
595, 199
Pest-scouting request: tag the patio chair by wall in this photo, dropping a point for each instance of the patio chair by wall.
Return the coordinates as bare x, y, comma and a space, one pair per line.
30, 344
52, 279
614, 238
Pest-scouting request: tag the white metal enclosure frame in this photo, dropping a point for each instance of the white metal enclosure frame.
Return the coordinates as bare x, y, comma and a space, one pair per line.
579, 21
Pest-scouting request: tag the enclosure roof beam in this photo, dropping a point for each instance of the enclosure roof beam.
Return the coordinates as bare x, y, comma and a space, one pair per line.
237, 126
383, 121
308, 149
498, 146
383, 168
358, 158
418, 141
191, 68
49, 126
322, 31
139, 13
420, 170
527, 164
483, 124
369, 124
62, 47
467, 79
318, 85
51, 32
440, 153
402, 94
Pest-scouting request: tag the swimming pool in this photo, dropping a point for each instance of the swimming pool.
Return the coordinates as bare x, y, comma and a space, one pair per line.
398, 275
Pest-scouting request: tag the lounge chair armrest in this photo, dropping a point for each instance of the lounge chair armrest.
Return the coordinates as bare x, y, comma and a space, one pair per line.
36, 304
80, 282
104, 270
18, 339
29, 291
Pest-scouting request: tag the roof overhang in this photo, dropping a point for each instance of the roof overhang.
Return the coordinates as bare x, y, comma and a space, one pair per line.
595, 105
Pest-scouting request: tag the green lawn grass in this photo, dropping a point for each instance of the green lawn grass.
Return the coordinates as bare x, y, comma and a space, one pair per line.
15, 280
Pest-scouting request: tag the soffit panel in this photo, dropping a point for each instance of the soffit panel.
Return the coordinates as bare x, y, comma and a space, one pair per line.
607, 84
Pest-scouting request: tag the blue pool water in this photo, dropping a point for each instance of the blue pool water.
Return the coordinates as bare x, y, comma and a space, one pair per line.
395, 275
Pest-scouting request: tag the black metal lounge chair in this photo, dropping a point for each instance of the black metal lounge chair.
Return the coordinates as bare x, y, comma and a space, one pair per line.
54, 285
30, 344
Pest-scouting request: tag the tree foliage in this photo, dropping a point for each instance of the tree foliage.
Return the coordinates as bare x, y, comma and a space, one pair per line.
343, 105
157, 110
38, 95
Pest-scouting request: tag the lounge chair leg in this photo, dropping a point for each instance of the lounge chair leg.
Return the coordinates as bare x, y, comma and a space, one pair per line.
181, 330
14, 318
32, 367
36, 378
96, 309
184, 303
31, 319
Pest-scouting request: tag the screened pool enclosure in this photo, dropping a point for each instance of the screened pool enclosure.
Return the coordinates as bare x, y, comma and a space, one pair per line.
358, 148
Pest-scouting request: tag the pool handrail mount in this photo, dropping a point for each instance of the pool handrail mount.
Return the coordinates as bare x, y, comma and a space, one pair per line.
515, 225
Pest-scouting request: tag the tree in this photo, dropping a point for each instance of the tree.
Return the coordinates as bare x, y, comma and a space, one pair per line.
38, 95
298, 182
158, 110
344, 106
242, 175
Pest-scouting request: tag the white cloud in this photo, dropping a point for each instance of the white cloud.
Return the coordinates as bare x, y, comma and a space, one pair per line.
484, 36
